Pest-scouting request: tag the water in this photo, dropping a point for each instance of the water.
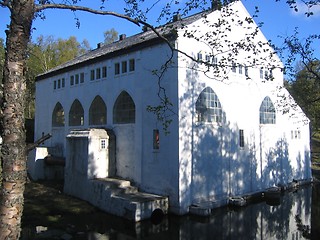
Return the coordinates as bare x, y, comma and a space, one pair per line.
296, 217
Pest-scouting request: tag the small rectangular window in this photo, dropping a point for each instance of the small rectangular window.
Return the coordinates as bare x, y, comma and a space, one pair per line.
103, 143
261, 73
124, 67
116, 68
215, 60
54, 84
72, 80
82, 77
59, 83
92, 75
234, 67
98, 73
208, 58
271, 75
77, 79
240, 69
131, 65
104, 72
156, 139
246, 71
63, 82
241, 138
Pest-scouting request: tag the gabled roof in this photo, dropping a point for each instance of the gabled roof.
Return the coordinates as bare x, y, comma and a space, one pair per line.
128, 44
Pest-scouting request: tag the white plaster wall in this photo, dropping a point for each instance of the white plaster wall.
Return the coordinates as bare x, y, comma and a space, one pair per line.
155, 171
192, 154
212, 165
35, 163
159, 167
98, 164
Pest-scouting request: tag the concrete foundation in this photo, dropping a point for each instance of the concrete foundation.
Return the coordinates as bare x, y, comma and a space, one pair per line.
89, 175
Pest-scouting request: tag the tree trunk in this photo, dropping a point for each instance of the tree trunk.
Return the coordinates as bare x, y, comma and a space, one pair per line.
13, 152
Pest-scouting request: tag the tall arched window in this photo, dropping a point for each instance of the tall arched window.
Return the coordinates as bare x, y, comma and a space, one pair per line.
76, 114
124, 110
267, 112
208, 107
98, 112
58, 116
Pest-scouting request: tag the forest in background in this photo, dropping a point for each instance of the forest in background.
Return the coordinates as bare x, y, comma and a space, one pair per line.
47, 52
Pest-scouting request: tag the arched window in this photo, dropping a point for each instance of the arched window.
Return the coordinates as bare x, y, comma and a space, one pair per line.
208, 107
124, 110
58, 116
97, 112
76, 114
267, 112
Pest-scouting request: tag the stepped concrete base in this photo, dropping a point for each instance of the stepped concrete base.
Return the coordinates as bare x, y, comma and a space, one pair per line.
118, 197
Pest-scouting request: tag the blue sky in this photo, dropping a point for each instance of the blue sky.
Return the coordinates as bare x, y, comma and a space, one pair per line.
277, 17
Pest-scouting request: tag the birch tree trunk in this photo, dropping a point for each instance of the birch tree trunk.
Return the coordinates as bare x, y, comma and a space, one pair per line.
13, 152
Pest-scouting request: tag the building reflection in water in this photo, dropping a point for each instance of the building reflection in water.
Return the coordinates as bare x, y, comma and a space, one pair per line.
291, 219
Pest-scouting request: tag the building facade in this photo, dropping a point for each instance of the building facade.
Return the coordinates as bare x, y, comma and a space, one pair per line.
233, 128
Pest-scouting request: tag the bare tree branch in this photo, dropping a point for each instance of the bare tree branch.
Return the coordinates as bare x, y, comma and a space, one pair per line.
39, 8
6, 3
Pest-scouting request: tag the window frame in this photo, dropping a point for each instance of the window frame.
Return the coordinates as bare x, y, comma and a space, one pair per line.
124, 67
76, 79
92, 75
124, 109
117, 69
261, 73
72, 80
267, 112
240, 68
209, 108
98, 73
132, 65
234, 68
57, 119
104, 72
76, 114
97, 110
82, 77
241, 138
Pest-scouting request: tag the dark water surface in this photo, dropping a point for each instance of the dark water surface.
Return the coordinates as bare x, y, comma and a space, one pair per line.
296, 217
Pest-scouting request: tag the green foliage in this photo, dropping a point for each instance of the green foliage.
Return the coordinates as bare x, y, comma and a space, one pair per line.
306, 91
162, 113
110, 36
46, 53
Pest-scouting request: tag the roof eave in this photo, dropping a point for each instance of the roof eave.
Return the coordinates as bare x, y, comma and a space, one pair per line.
118, 52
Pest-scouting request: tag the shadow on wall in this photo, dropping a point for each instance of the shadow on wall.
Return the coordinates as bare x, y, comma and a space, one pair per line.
29, 125
221, 162
278, 170
221, 168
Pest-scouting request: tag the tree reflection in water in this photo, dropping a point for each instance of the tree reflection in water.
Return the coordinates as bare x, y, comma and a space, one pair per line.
291, 219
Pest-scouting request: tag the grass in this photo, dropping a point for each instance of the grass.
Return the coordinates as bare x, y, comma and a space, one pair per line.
45, 204
47, 207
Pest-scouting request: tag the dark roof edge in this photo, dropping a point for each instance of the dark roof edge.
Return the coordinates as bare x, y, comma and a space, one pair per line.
132, 48
151, 39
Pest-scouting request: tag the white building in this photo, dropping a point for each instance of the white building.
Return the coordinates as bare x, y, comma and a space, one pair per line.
234, 130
